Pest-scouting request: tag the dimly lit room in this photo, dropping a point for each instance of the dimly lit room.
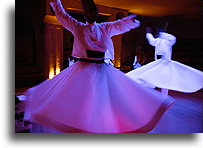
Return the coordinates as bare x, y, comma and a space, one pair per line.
47, 65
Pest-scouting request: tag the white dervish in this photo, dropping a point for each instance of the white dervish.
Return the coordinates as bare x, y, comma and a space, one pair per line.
164, 72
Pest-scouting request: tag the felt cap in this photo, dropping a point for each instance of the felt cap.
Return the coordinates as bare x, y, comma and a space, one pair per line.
89, 5
162, 27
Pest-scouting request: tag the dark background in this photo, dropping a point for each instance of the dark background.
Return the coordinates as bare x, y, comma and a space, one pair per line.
30, 42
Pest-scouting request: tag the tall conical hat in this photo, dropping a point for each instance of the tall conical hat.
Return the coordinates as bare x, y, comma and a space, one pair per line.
88, 5
162, 27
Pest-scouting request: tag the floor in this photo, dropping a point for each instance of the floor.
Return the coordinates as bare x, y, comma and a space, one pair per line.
185, 116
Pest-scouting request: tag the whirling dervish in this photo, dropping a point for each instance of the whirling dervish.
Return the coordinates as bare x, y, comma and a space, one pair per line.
92, 96
165, 73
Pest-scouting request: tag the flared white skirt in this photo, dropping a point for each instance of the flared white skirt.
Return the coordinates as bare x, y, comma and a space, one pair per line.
95, 98
168, 74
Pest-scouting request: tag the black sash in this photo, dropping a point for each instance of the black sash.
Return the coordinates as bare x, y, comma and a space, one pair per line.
91, 61
158, 56
93, 54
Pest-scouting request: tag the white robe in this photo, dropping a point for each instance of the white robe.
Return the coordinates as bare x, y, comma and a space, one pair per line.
163, 44
95, 36
94, 97
166, 73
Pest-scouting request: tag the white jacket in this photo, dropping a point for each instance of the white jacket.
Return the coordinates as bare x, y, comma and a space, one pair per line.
163, 44
95, 36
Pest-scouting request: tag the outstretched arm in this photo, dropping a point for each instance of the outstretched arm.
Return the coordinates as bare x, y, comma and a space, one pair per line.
152, 41
122, 25
64, 18
171, 38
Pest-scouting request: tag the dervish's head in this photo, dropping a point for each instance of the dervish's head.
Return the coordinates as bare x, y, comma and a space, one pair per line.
163, 25
90, 10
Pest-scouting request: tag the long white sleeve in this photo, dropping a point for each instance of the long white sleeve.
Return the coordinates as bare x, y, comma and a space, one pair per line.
169, 37
152, 41
64, 18
122, 25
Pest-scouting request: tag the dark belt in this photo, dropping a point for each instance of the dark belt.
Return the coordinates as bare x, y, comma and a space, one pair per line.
93, 54
91, 60
158, 56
